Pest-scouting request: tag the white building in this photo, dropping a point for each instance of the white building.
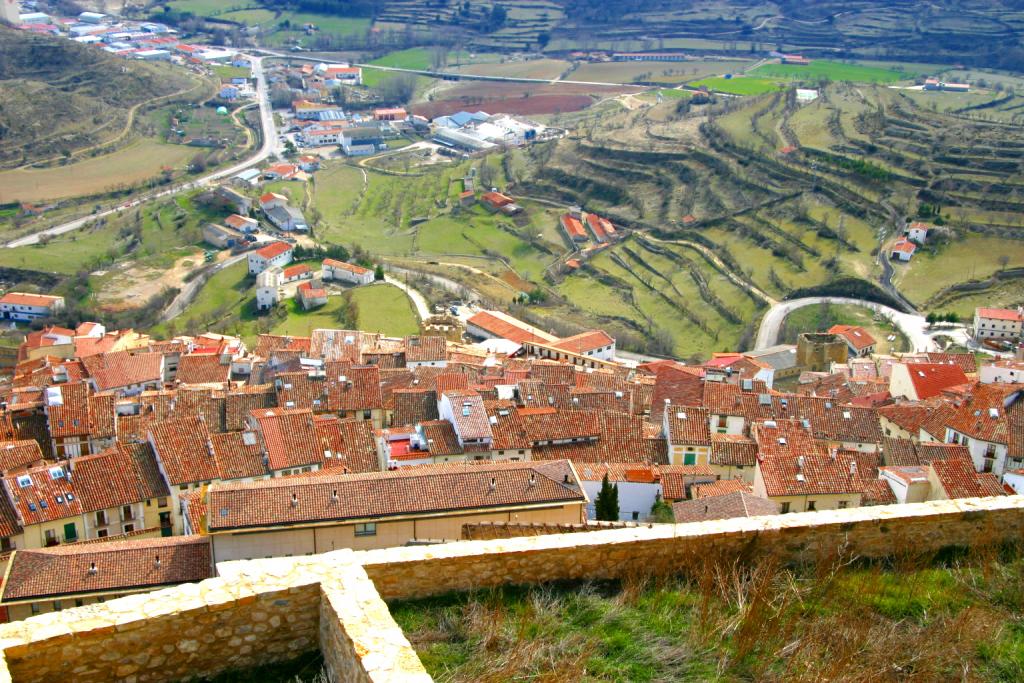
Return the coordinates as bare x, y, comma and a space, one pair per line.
638, 485
1004, 371
268, 288
333, 269
274, 254
998, 323
25, 307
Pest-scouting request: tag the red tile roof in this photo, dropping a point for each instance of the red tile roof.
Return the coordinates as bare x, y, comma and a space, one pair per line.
273, 249
929, 379
406, 491
185, 451
289, 437
585, 342
122, 475
726, 506
22, 299
573, 227
120, 369
43, 494
732, 450
959, 479
202, 368
19, 453
791, 463
296, 270
117, 566
342, 265
505, 328
1008, 314
688, 426
856, 336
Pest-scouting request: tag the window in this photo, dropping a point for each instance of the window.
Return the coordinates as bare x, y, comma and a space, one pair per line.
102, 533
34, 607
369, 529
183, 487
161, 502
367, 414
636, 515
811, 506
70, 532
79, 602
689, 458
129, 528
51, 537
5, 544
57, 606
843, 504
785, 508
127, 512
101, 518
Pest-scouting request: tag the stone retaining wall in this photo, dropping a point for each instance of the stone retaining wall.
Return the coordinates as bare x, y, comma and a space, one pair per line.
261, 611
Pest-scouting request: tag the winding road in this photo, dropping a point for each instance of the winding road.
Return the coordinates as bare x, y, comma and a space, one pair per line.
913, 326
267, 149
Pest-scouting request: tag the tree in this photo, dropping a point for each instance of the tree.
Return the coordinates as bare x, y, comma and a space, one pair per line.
378, 272
606, 505
661, 511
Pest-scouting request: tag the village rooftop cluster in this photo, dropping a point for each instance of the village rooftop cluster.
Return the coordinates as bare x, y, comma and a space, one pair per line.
130, 463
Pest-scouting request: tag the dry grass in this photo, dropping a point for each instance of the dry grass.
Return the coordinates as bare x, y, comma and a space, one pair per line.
728, 619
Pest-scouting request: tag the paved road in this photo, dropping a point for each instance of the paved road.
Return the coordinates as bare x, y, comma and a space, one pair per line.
913, 326
268, 148
418, 300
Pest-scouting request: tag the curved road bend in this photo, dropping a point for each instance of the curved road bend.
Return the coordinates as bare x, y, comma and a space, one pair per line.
913, 326
268, 148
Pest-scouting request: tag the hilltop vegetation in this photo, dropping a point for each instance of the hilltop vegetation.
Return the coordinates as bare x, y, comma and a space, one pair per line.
58, 97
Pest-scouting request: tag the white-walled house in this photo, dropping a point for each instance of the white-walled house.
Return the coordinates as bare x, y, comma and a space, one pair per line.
268, 288
332, 269
274, 254
998, 323
638, 483
25, 307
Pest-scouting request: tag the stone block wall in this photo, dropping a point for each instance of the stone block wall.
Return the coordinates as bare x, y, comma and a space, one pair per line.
261, 611
673, 548
483, 531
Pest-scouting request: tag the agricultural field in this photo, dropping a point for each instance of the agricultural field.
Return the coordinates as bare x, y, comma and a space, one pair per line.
249, 17
822, 70
972, 257
137, 162
655, 72
738, 85
226, 71
533, 68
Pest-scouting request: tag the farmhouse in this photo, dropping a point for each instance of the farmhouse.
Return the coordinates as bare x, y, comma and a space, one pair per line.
274, 254
393, 114
902, 250
917, 232
281, 172
857, 339
27, 307
299, 271
310, 296
798, 60
498, 325
333, 269
997, 323
497, 202
595, 344
601, 228
222, 236
573, 228
242, 223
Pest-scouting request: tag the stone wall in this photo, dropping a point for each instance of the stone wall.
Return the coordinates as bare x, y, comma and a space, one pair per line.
673, 548
260, 611
483, 531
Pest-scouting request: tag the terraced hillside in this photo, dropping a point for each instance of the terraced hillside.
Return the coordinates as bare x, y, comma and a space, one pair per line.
57, 97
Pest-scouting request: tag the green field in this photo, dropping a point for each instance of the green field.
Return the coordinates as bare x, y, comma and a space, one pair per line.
819, 70
206, 8
973, 257
249, 17
738, 85
386, 309
413, 58
227, 72
820, 318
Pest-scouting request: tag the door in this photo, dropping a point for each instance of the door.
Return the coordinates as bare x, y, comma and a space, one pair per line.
70, 532
165, 524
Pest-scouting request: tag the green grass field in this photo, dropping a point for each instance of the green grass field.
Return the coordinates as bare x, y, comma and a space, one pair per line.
249, 17
206, 8
973, 257
819, 319
738, 85
413, 58
386, 309
227, 72
833, 71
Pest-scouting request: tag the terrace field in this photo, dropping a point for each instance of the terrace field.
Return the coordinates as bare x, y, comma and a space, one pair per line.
655, 72
927, 620
738, 85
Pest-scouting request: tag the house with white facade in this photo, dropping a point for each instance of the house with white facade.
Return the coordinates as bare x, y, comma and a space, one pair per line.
998, 323
24, 307
268, 288
274, 254
333, 269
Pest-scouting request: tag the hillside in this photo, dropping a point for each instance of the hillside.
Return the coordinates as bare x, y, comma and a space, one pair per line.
58, 97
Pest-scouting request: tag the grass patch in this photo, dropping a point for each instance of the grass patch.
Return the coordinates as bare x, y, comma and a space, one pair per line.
739, 85
729, 623
134, 163
413, 58
819, 70
387, 309
227, 72
971, 257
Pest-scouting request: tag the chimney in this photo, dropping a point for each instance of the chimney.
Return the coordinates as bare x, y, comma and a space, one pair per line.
800, 462
157, 562
533, 479
92, 568
494, 484
832, 453
334, 496
853, 467
295, 501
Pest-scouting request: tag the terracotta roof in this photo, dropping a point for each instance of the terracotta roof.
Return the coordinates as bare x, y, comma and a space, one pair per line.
504, 327
732, 450
22, 299
1008, 314
406, 491
544, 425
855, 335
43, 494
736, 503
414, 405
720, 488
119, 369
573, 226
929, 379
904, 246
273, 249
441, 438
72, 417
19, 453
184, 449
469, 415
101, 415
907, 416
959, 479
791, 463
632, 472
106, 567
688, 426
351, 443
342, 265
238, 455
899, 452
676, 478
622, 438
9, 524
985, 415
419, 349
877, 492
585, 342
680, 387
289, 437
202, 368
966, 361
122, 475
296, 270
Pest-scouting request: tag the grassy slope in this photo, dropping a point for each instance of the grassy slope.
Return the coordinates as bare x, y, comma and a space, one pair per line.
859, 623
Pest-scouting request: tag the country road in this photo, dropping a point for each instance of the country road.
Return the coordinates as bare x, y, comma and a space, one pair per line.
268, 148
913, 326
191, 289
